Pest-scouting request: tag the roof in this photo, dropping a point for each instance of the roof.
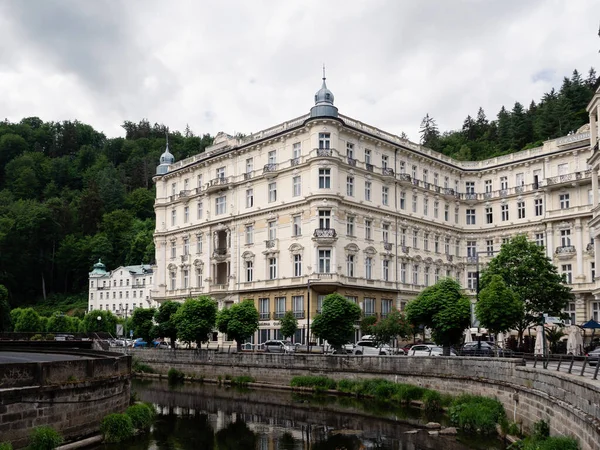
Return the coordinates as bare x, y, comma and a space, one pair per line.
142, 269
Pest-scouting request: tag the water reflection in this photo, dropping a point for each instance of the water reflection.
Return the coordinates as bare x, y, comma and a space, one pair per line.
207, 417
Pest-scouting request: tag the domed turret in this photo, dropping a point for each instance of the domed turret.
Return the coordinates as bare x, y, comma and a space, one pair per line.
324, 102
99, 268
166, 159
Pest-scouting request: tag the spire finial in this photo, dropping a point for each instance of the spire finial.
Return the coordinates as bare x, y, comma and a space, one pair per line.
324, 72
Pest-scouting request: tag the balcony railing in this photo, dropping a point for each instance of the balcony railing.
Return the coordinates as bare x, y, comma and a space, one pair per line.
387, 246
278, 315
294, 162
264, 315
299, 314
404, 177
387, 171
405, 249
472, 259
324, 152
215, 183
352, 161
247, 175
369, 167
565, 249
220, 252
270, 168
325, 233
369, 314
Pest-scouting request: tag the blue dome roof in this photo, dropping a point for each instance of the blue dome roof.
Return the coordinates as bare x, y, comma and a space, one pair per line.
166, 159
324, 95
324, 102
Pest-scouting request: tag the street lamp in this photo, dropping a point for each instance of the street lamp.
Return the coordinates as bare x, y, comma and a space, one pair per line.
308, 314
99, 318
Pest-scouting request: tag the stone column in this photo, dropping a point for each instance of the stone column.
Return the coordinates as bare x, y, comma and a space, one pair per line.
593, 128
580, 309
594, 187
549, 240
579, 248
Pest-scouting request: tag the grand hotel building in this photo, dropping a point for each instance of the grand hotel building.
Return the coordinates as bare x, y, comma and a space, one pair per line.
324, 203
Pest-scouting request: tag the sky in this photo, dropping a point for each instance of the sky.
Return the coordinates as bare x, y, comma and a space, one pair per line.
242, 66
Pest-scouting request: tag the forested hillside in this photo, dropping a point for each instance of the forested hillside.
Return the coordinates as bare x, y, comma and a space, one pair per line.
555, 115
69, 195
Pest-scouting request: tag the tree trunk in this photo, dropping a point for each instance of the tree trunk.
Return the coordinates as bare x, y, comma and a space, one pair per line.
43, 285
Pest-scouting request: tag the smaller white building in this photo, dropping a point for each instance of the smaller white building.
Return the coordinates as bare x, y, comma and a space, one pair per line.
121, 290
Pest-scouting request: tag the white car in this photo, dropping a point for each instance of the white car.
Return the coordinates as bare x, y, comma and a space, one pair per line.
428, 350
370, 348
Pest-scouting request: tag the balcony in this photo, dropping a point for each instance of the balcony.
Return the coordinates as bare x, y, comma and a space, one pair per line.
352, 161
220, 254
299, 314
247, 176
387, 246
369, 167
568, 178
219, 287
387, 172
470, 196
217, 184
294, 162
449, 192
277, 315
472, 259
264, 315
565, 251
325, 235
405, 249
324, 152
404, 178
270, 170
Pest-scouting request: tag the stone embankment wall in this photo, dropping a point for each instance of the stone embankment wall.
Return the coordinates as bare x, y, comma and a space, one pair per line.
571, 404
71, 396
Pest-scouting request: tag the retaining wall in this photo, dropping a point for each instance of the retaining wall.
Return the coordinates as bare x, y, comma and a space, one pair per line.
71, 396
570, 404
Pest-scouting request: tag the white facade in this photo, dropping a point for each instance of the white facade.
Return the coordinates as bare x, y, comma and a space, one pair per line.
121, 290
329, 202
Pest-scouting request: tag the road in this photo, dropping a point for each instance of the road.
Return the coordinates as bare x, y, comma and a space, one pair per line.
22, 357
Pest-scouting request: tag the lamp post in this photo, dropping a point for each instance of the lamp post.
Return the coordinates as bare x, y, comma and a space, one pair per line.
308, 314
99, 319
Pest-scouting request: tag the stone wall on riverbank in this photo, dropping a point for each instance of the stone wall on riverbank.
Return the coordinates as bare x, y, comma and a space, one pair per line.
71, 396
570, 404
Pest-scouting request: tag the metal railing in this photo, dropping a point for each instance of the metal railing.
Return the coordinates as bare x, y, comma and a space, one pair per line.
565, 249
351, 161
269, 168
324, 233
369, 167
324, 152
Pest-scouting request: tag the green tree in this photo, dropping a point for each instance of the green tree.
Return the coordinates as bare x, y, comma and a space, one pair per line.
498, 308
336, 322
429, 132
195, 319
29, 321
444, 309
142, 323
99, 321
389, 328
59, 323
5, 319
288, 324
553, 335
530, 274
239, 322
165, 320
367, 323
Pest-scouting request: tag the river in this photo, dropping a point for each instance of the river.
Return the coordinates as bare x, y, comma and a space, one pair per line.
210, 417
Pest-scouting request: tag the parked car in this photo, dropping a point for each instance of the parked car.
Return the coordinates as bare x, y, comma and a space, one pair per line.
160, 344
428, 350
483, 348
593, 356
279, 347
139, 343
64, 337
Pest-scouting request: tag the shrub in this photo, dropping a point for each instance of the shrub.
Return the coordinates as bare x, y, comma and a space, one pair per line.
550, 443
49, 337
432, 401
476, 414
141, 415
116, 428
175, 376
318, 383
349, 386
242, 380
140, 367
44, 438
5, 446
36, 337
541, 430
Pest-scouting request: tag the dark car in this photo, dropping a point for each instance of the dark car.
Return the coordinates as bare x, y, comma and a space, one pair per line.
483, 348
593, 356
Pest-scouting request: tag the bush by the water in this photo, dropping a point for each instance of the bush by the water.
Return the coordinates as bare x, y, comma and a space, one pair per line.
432, 401
44, 438
476, 414
541, 440
242, 380
5, 446
116, 428
318, 383
175, 376
141, 415
140, 367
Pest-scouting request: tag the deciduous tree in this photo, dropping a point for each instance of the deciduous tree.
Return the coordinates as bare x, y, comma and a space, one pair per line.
142, 323
99, 321
444, 309
29, 321
165, 319
498, 308
239, 321
288, 324
391, 327
195, 319
529, 273
336, 322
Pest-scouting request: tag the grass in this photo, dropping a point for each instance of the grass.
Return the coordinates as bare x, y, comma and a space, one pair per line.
242, 380
175, 376
116, 428
139, 367
142, 415
44, 438
476, 414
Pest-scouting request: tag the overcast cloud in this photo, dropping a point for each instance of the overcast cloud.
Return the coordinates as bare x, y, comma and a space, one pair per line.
241, 66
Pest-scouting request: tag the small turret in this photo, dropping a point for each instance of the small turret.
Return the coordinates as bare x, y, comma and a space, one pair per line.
166, 159
324, 102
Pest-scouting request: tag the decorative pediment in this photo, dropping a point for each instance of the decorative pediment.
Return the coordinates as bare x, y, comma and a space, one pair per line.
172, 267
352, 249
296, 249
198, 264
370, 251
248, 256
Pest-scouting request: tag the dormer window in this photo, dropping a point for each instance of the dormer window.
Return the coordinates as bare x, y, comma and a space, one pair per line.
327, 96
